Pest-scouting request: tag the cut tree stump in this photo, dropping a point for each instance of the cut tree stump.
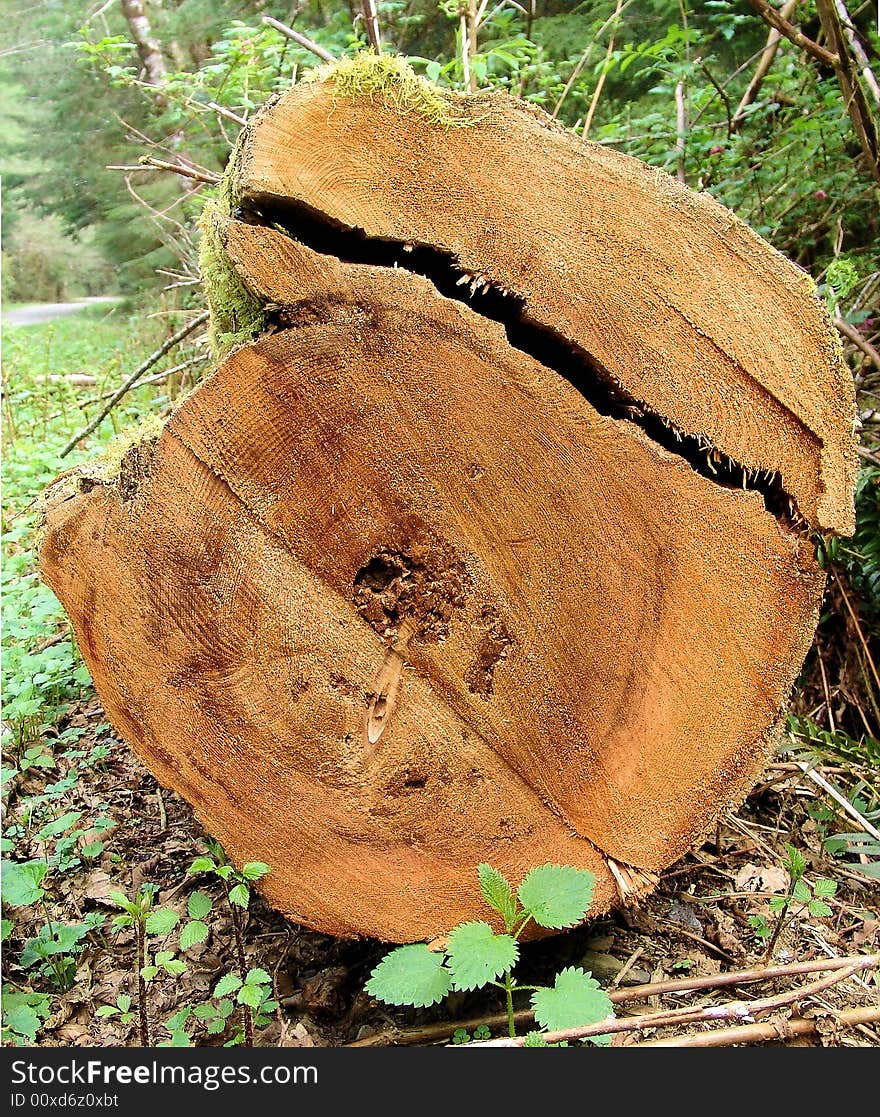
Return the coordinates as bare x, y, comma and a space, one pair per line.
494, 542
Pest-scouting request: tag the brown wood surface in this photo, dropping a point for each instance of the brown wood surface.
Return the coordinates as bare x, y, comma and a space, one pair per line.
388, 597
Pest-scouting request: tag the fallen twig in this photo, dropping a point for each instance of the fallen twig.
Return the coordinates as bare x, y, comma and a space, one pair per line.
157, 355
728, 1011
765, 1031
853, 335
436, 1032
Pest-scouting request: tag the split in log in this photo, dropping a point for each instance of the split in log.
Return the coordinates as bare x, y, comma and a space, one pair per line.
493, 541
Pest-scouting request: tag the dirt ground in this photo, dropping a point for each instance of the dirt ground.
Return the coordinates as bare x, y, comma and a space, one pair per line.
697, 924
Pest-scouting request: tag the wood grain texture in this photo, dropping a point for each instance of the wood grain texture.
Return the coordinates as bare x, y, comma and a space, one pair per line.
388, 596
672, 294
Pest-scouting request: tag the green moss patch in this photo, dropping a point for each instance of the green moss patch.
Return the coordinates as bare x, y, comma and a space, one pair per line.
392, 80
237, 316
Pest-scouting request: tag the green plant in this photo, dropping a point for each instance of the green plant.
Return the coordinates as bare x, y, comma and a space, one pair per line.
801, 897
146, 919
23, 1015
122, 1009
236, 886
553, 897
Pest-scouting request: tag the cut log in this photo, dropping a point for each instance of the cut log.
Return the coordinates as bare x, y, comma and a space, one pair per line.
495, 542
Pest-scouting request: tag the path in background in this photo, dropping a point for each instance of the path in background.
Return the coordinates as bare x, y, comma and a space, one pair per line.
33, 314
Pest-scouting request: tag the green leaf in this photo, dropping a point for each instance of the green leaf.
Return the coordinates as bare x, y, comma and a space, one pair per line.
239, 894
199, 905
227, 984
253, 870
7, 929
21, 1019
202, 865
534, 1039
801, 892
193, 932
497, 892
557, 896
92, 850
205, 1012
149, 972
124, 1002
107, 1010
575, 999
819, 909
250, 995
59, 825
258, 976
795, 862
161, 921
411, 975
21, 882
477, 955
175, 967
825, 888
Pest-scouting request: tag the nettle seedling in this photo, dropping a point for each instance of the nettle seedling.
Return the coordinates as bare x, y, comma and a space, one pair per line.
553, 897
252, 992
801, 897
147, 920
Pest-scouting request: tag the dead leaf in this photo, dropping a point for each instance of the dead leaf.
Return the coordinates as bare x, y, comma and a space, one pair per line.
762, 878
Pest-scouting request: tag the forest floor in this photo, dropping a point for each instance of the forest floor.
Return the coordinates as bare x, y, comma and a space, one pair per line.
699, 924
84, 820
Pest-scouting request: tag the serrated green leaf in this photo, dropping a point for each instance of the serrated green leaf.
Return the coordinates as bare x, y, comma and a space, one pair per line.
174, 967
819, 909
215, 1027
253, 870
227, 984
497, 892
205, 1012
575, 999
557, 896
824, 888
239, 894
149, 972
193, 932
801, 892
534, 1039
225, 1007
202, 865
411, 975
8, 926
795, 862
107, 1010
124, 1002
161, 921
258, 976
250, 995
477, 955
199, 904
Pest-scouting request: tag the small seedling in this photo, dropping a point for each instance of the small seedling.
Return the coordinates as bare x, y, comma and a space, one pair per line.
236, 886
147, 920
122, 1009
801, 897
554, 897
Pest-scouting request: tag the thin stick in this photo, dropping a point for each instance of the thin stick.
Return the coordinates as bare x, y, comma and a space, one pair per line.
861, 636
858, 50
175, 339
371, 22
594, 101
228, 113
841, 800
765, 1032
680, 130
730, 1010
794, 34
763, 67
302, 40
178, 169
621, 996
853, 335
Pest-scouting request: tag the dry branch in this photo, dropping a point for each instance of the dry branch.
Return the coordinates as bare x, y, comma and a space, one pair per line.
767, 1032
770, 15
763, 67
131, 379
742, 1010
299, 39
